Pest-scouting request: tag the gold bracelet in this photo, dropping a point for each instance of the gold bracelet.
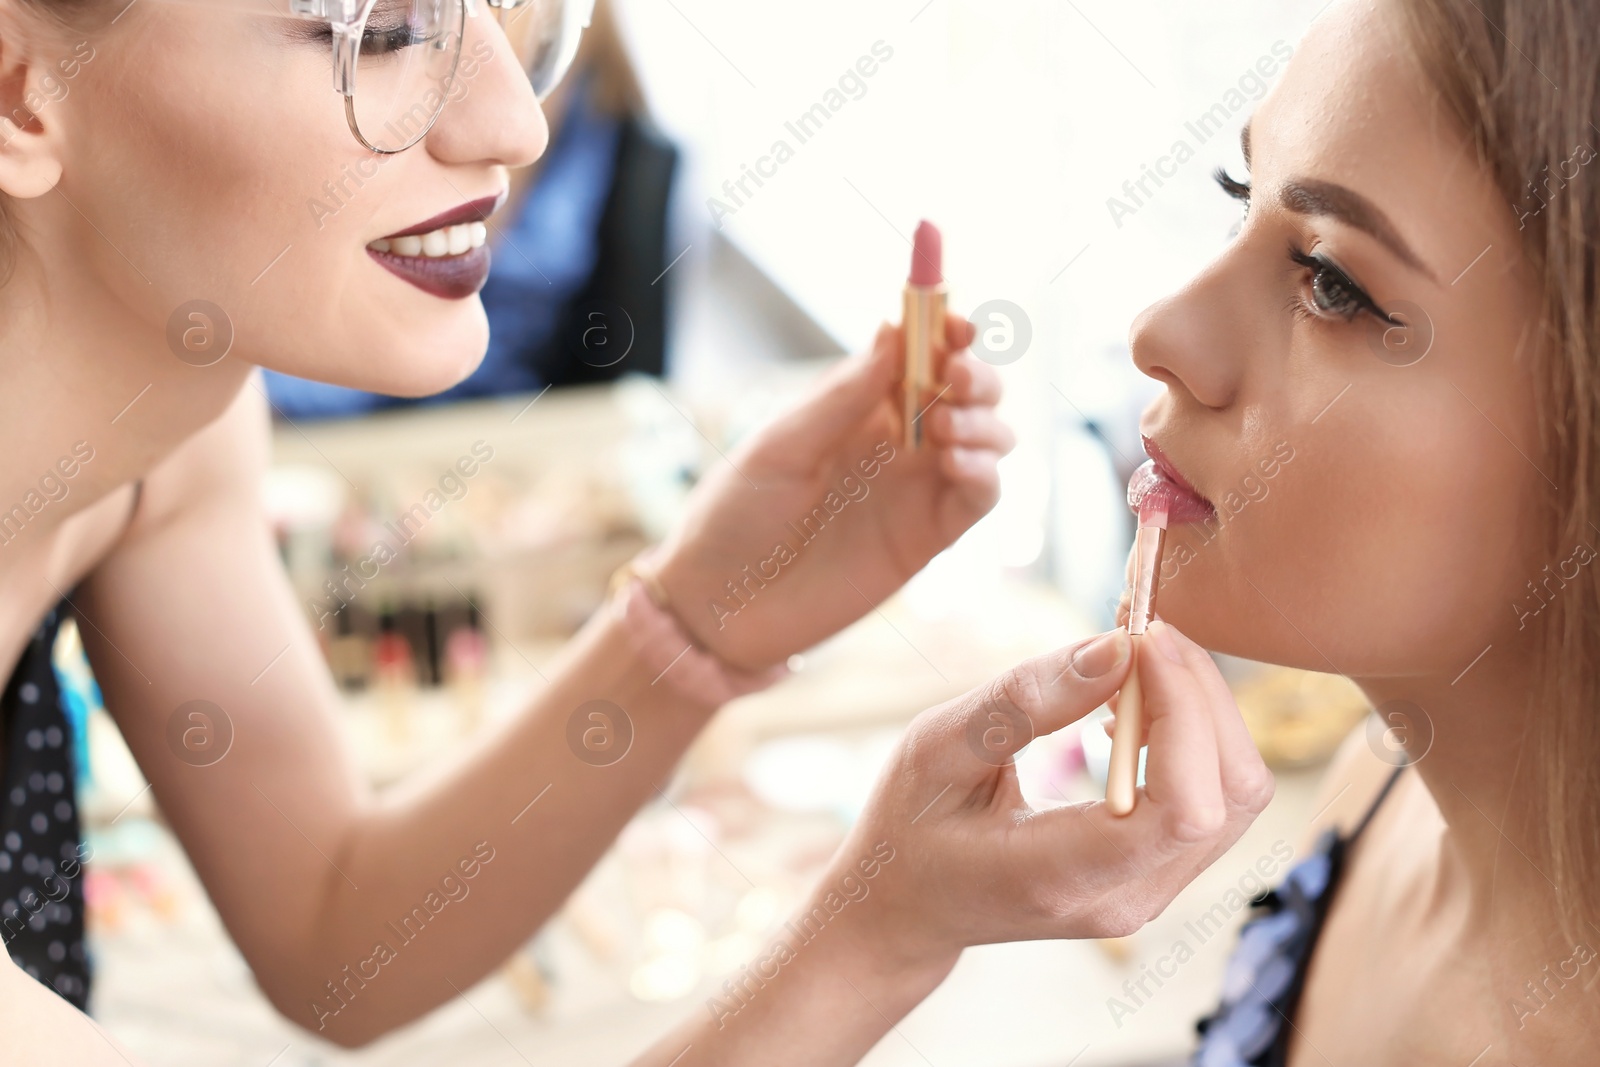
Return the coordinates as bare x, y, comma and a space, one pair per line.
667, 648
632, 569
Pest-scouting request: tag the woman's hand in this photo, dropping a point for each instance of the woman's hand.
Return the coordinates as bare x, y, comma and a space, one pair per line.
948, 854
822, 514
978, 865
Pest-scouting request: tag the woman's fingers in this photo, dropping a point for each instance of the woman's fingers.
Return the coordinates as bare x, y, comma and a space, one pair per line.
972, 426
958, 332
978, 472
1038, 696
970, 380
845, 396
1246, 782
1183, 783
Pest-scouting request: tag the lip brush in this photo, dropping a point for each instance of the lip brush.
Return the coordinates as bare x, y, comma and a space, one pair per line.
1122, 775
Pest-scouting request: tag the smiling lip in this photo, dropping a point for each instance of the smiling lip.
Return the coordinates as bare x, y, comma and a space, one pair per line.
453, 277
473, 211
1187, 505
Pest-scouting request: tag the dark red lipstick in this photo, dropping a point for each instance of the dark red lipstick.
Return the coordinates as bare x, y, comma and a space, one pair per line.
455, 270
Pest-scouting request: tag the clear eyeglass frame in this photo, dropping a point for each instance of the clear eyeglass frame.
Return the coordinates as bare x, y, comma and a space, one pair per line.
348, 21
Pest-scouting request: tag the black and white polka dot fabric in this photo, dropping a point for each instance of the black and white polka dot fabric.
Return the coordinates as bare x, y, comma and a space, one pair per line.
41, 871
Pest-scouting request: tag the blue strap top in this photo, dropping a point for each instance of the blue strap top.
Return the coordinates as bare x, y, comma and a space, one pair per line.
1267, 971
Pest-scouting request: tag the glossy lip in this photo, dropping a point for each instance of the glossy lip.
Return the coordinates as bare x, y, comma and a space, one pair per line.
477, 210
1187, 503
1164, 465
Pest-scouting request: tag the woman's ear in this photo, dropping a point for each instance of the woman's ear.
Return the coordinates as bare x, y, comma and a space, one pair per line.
30, 162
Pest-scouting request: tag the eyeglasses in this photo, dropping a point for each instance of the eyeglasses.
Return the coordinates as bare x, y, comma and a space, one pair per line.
396, 61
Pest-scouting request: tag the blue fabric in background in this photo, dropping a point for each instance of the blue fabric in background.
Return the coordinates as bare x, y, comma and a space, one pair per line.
543, 258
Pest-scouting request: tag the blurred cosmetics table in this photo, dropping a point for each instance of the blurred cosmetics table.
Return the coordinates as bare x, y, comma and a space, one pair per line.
443, 555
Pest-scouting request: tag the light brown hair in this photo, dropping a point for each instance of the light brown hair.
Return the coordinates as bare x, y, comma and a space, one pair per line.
1522, 81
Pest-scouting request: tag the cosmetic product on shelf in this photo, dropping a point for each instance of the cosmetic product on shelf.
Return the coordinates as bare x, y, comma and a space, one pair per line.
395, 673
349, 651
433, 646
466, 657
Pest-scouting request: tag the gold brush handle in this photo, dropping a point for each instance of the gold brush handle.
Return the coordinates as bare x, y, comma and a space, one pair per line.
1122, 773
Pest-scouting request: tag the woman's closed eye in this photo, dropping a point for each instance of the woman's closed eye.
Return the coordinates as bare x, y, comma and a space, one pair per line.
1333, 294
389, 29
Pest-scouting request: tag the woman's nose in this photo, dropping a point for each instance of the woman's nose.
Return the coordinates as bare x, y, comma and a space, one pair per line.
492, 115
1198, 338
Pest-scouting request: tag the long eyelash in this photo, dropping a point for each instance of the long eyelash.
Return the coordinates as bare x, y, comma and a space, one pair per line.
1320, 265
1232, 186
1239, 191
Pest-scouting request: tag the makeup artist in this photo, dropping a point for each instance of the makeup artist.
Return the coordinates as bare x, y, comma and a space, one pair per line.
155, 160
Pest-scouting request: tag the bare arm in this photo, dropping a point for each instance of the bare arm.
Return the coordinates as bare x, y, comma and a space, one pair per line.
37, 1026
419, 892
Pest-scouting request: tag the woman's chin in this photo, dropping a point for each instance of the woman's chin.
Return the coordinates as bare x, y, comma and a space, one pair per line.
429, 380
1194, 610
401, 370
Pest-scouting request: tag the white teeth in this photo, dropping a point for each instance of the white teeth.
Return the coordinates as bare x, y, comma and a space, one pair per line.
448, 241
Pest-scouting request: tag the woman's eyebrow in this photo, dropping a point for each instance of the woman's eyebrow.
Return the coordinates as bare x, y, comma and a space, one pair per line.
1311, 196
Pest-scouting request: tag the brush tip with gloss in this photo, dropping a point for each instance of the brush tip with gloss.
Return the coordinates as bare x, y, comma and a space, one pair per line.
1154, 507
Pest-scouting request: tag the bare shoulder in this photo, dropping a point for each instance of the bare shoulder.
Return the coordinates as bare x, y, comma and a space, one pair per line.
1352, 781
221, 465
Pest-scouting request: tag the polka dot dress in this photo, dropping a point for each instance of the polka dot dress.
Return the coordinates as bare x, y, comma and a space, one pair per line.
41, 877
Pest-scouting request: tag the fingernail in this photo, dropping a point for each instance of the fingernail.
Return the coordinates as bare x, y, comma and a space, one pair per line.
1105, 653
1160, 633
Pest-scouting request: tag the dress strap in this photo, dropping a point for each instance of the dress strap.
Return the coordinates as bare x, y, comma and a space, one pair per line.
1372, 809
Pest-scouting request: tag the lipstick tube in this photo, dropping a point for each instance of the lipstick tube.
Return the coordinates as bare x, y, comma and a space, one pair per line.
923, 313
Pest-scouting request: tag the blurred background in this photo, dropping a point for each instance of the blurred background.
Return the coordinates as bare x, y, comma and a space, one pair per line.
664, 280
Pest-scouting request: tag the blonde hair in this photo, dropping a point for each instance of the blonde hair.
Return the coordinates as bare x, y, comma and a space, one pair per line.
1522, 82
